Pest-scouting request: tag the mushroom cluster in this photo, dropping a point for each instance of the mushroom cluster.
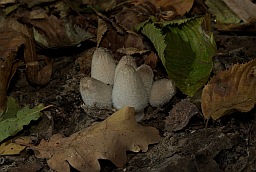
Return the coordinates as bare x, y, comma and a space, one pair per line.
123, 84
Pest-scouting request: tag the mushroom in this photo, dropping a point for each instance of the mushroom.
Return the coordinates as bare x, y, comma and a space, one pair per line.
129, 90
125, 60
161, 92
96, 93
146, 74
103, 66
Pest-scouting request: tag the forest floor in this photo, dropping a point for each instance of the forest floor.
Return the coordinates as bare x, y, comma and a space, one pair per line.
228, 144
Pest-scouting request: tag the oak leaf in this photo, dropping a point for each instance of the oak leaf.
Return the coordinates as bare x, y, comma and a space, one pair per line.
233, 89
109, 139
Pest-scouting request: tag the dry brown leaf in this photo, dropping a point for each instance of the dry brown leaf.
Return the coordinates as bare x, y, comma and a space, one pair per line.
51, 32
10, 42
130, 17
245, 9
102, 29
181, 7
151, 59
120, 33
109, 139
180, 115
233, 89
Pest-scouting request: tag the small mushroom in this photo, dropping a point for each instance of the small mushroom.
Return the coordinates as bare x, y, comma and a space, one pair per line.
96, 93
161, 92
103, 66
146, 74
129, 90
126, 60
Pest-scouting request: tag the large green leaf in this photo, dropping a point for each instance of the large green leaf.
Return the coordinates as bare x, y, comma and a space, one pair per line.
15, 118
187, 54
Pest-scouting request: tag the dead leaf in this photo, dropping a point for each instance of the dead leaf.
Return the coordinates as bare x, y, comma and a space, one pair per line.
244, 9
128, 18
151, 60
233, 89
51, 32
109, 139
10, 42
102, 29
131, 51
180, 115
181, 7
10, 149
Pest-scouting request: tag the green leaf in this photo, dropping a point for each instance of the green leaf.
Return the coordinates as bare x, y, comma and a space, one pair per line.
185, 51
156, 37
15, 118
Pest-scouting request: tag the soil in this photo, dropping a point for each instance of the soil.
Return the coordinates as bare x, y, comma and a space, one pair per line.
228, 144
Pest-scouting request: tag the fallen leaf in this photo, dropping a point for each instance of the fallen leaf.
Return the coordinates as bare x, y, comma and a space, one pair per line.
51, 32
10, 42
151, 59
181, 7
130, 17
244, 9
233, 15
180, 115
15, 118
120, 32
10, 148
102, 29
233, 89
185, 51
3, 2
109, 139
131, 51
222, 12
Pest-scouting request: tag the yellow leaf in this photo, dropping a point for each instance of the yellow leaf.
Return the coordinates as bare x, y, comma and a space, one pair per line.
230, 90
8, 148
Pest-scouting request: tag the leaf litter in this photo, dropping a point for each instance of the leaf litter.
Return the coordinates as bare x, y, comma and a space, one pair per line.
170, 159
109, 139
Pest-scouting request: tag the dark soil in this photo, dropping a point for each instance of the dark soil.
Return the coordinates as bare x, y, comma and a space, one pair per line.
228, 144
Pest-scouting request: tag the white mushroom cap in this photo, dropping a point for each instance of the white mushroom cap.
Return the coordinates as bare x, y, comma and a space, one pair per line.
146, 74
96, 93
161, 92
103, 66
129, 90
129, 60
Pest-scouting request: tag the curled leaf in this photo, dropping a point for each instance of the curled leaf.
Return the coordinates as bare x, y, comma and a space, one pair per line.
233, 89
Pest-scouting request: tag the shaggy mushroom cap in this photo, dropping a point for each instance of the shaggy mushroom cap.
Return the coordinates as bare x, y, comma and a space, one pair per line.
96, 93
125, 60
129, 90
161, 92
103, 66
146, 74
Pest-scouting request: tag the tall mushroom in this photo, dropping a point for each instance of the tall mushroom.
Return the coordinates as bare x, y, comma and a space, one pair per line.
129, 90
103, 66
